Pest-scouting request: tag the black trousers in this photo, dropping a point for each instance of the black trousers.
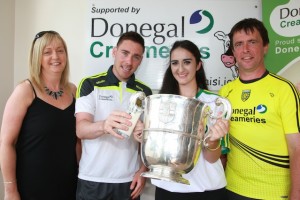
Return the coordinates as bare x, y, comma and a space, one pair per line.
88, 190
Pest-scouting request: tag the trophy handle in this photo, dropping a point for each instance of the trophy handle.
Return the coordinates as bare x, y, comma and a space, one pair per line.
135, 109
226, 114
136, 102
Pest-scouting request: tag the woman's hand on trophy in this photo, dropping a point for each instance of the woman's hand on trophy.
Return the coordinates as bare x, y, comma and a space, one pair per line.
138, 131
211, 141
218, 130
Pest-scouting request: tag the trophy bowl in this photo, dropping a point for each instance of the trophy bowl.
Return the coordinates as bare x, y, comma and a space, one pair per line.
171, 141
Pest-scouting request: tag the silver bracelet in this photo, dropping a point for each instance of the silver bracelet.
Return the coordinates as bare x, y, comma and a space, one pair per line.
9, 182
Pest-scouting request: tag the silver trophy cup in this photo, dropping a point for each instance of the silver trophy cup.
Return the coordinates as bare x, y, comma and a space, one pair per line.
173, 133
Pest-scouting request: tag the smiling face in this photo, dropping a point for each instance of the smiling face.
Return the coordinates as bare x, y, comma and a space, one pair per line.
249, 51
54, 57
184, 67
128, 56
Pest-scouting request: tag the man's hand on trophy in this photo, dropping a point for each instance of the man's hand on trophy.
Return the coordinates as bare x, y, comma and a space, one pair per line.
117, 120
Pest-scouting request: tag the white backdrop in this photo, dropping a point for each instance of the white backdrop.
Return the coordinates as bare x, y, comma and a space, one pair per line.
204, 22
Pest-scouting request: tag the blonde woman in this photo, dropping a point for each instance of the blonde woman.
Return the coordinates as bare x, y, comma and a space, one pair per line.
38, 138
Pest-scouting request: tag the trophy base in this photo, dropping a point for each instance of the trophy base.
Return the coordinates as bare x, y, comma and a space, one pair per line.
166, 174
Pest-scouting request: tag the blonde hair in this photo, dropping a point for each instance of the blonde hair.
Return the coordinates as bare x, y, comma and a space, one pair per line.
41, 40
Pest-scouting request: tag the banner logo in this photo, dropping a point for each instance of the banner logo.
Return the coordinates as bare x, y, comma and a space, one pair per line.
285, 19
197, 18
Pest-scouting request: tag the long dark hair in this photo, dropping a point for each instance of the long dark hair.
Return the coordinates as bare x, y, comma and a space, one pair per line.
170, 84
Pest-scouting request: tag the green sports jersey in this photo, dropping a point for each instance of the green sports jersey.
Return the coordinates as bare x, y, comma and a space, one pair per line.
264, 111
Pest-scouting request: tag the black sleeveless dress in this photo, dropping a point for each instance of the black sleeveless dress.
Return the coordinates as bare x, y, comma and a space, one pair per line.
46, 165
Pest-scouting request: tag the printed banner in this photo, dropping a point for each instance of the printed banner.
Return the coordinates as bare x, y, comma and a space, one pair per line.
282, 19
205, 22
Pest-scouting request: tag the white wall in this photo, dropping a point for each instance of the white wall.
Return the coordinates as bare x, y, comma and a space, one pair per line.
6, 56
6, 50
66, 17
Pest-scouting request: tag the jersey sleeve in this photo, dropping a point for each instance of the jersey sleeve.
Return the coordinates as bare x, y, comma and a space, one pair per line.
290, 108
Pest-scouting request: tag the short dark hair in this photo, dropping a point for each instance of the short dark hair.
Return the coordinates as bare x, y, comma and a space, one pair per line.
133, 36
170, 84
249, 25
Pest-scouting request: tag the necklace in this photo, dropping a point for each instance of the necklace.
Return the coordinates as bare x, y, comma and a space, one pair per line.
53, 94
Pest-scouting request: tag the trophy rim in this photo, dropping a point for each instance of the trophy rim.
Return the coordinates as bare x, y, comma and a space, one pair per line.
166, 174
